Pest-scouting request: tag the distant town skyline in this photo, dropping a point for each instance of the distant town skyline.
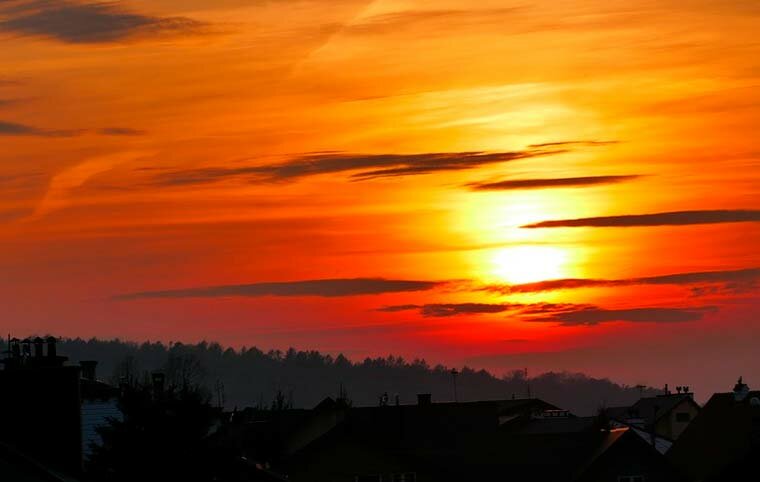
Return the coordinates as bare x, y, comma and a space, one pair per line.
563, 186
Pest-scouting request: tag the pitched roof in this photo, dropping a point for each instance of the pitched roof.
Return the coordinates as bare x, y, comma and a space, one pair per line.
724, 433
652, 409
465, 442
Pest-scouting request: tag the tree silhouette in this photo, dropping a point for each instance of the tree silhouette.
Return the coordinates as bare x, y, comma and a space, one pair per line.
253, 377
161, 437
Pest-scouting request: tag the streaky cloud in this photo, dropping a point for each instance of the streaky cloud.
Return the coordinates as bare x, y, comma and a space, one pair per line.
120, 131
12, 214
394, 21
738, 280
398, 308
519, 184
319, 287
575, 143
565, 314
594, 316
454, 309
367, 166
674, 218
7, 102
15, 129
441, 310
86, 22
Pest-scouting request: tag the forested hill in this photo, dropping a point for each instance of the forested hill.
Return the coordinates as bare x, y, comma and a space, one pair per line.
251, 377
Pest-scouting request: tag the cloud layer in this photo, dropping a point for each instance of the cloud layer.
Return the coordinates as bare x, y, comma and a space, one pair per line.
517, 184
442, 310
320, 287
15, 129
120, 131
367, 166
739, 280
595, 316
80, 22
675, 218
565, 314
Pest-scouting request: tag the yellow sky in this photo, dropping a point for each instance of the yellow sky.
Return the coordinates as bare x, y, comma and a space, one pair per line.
148, 146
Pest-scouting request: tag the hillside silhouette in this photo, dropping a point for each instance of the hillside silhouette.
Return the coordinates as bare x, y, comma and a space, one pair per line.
301, 379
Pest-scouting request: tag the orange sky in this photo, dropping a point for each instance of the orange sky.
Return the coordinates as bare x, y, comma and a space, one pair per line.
356, 176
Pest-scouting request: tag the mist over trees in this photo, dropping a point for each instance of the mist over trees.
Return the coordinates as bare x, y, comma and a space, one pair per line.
301, 379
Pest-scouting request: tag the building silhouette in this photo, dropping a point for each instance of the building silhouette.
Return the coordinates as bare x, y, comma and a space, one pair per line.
49, 411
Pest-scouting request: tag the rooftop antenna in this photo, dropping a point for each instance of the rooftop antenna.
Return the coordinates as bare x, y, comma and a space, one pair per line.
454, 374
527, 382
641, 390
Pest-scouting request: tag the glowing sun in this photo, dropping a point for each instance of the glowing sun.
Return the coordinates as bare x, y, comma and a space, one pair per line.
526, 264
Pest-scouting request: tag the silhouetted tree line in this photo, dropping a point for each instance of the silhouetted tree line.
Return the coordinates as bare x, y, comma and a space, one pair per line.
164, 435
301, 379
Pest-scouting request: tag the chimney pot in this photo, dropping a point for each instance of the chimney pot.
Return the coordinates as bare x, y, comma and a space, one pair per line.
741, 390
39, 346
88, 369
51, 350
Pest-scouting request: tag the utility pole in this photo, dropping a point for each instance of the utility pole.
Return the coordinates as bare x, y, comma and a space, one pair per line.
527, 382
220, 399
454, 374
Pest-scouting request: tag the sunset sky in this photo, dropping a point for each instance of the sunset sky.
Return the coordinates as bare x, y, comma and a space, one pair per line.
557, 184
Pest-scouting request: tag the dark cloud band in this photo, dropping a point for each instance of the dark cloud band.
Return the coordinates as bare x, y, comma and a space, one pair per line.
675, 218
739, 280
15, 129
84, 22
595, 316
565, 314
518, 184
321, 287
120, 131
361, 166
441, 310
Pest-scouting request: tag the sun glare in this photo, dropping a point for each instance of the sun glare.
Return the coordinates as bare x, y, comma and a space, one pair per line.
526, 264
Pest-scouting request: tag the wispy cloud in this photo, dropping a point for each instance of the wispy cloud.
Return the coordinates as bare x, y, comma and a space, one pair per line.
518, 184
15, 129
675, 218
586, 143
86, 22
7, 102
12, 214
739, 280
396, 21
595, 316
565, 314
449, 309
320, 287
441, 310
120, 131
366, 166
